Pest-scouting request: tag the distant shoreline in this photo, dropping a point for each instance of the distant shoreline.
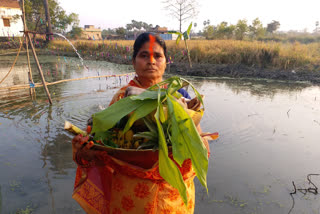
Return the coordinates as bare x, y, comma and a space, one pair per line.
243, 71
234, 71
307, 72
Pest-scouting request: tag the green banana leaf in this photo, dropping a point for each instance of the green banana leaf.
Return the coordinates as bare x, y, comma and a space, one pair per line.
178, 129
151, 126
185, 36
148, 135
178, 39
105, 138
106, 119
148, 95
167, 168
189, 29
187, 141
142, 111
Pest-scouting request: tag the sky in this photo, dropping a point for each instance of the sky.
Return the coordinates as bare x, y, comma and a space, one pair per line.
292, 15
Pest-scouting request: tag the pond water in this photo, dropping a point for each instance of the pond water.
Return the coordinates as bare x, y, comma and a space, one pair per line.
268, 138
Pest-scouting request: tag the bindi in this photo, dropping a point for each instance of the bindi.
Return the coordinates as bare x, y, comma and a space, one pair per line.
152, 40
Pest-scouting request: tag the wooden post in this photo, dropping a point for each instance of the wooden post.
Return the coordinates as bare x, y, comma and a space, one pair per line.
40, 70
48, 20
35, 56
31, 90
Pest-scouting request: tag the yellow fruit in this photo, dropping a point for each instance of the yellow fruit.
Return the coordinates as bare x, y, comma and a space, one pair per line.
128, 136
120, 135
121, 143
120, 138
129, 145
136, 144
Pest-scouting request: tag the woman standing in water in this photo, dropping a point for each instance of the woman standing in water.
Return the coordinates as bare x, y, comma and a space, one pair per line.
109, 184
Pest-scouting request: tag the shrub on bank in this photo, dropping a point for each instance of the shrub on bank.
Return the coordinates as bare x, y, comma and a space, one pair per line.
250, 53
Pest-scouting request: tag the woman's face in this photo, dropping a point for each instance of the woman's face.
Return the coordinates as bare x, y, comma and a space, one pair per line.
150, 62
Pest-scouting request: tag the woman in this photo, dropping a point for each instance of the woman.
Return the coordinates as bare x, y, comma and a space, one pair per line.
149, 62
112, 185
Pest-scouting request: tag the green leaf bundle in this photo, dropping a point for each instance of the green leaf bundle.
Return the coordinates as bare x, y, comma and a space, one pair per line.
177, 130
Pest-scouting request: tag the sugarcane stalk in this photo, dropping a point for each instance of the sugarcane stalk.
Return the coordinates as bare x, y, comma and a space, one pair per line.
73, 129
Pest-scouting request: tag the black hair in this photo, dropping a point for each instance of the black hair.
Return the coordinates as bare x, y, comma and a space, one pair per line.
143, 38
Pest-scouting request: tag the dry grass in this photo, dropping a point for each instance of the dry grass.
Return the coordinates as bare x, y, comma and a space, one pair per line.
251, 53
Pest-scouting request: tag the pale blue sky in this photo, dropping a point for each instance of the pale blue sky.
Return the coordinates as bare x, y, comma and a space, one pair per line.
292, 15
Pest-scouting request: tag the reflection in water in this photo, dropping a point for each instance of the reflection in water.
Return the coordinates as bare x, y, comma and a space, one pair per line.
37, 128
18, 75
246, 172
0, 200
256, 87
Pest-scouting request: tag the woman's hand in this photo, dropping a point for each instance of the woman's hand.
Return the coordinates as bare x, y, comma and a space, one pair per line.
131, 90
81, 147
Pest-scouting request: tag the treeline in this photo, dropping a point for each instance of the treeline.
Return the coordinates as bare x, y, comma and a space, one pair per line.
130, 30
243, 30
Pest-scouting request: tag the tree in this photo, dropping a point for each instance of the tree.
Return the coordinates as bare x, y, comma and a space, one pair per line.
107, 32
129, 27
138, 26
223, 31
121, 31
256, 29
273, 26
182, 10
204, 23
316, 30
241, 29
76, 32
208, 32
35, 16
48, 20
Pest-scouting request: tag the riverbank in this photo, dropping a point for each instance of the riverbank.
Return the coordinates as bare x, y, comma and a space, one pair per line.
217, 70
229, 58
211, 70
243, 71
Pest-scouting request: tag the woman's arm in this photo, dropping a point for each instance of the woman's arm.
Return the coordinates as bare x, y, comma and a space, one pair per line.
131, 90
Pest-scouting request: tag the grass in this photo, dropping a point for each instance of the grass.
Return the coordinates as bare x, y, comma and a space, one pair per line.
276, 55
252, 53
271, 54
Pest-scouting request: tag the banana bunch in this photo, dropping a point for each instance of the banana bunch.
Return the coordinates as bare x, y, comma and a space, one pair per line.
127, 140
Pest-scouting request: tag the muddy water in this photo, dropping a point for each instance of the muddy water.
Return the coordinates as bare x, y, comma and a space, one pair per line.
268, 138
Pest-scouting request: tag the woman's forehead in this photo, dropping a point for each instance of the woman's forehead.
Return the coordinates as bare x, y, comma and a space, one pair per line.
155, 46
